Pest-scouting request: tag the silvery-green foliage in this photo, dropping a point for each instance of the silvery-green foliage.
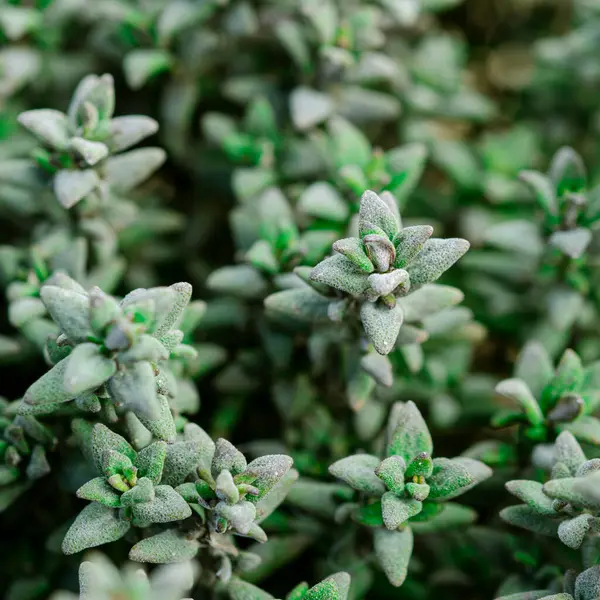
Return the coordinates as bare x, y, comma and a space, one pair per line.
382, 266
225, 493
406, 488
581, 586
270, 243
50, 260
233, 495
562, 194
297, 107
113, 350
338, 292
567, 505
100, 579
207, 484
334, 587
550, 249
128, 491
551, 399
80, 148
24, 446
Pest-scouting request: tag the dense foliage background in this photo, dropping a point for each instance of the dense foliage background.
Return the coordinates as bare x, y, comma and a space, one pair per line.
481, 118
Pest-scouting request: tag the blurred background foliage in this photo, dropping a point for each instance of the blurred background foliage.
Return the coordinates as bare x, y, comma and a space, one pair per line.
443, 102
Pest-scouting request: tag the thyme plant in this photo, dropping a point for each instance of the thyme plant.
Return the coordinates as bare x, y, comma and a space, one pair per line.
299, 291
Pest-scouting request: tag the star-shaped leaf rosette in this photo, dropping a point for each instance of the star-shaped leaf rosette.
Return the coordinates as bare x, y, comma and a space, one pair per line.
552, 400
208, 485
80, 148
112, 355
567, 506
385, 263
406, 489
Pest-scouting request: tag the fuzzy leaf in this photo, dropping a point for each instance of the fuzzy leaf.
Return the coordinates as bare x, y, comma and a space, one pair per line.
379, 249
91, 152
585, 429
163, 427
309, 107
393, 550
266, 472
166, 507
449, 479
275, 496
429, 300
321, 200
151, 460
569, 377
341, 273
587, 584
534, 367
50, 126
170, 546
239, 280
517, 390
409, 242
378, 367
71, 186
240, 515
227, 457
135, 389
567, 171
569, 452
542, 186
128, 131
375, 211
125, 171
518, 236
301, 304
49, 389
141, 493
95, 525
535, 595
575, 490
87, 369
382, 325
527, 518
24, 310
69, 309
353, 249
392, 472
437, 256
572, 242
408, 432
182, 293
349, 145
531, 493
182, 458
98, 490
406, 163
335, 587
142, 65
102, 439
396, 510
358, 471
226, 489
452, 516
384, 284
572, 532
242, 590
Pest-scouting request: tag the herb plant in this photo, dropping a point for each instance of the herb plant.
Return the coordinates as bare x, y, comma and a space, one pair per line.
299, 291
